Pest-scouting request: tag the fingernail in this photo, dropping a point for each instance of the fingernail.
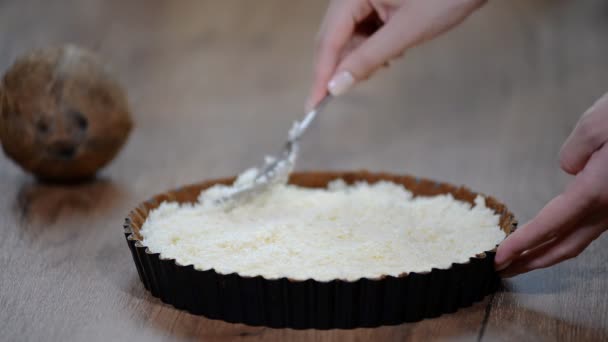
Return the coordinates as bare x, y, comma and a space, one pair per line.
503, 265
341, 83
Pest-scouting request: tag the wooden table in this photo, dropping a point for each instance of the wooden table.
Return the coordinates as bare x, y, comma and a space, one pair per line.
215, 85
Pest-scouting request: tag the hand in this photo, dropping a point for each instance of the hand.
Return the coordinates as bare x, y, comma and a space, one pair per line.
359, 36
572, 220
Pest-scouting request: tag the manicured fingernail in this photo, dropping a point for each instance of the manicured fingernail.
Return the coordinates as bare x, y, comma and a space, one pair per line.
503, 265
341, 83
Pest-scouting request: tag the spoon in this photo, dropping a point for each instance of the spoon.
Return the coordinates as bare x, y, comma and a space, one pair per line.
275, 170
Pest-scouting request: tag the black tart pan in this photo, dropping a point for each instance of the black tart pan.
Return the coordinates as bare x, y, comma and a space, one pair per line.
304, 304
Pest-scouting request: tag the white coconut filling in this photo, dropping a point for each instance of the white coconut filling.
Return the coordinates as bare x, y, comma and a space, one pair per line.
342, 232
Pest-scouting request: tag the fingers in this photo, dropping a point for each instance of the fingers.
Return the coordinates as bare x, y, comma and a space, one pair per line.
381, 47
336, 31
590, 133
413, 23
558, 215
562, 248
407, 24
547, 234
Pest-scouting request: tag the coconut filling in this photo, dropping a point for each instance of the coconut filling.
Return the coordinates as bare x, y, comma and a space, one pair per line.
341, 232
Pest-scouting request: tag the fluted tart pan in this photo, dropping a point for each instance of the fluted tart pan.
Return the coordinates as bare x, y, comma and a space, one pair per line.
303, 304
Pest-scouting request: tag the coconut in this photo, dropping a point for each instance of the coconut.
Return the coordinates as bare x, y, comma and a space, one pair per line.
63, 116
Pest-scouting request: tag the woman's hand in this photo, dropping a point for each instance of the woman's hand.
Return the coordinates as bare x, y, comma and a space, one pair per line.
359, 36
573, 219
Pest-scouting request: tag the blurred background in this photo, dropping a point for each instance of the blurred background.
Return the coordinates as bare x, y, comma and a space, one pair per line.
215, 85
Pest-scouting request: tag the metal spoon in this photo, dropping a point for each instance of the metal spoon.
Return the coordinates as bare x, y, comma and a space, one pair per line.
275, 169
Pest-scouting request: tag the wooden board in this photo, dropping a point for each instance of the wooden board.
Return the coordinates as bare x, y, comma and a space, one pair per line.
215, 85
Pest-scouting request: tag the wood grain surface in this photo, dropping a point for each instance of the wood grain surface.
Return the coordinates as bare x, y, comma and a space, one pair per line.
214, 85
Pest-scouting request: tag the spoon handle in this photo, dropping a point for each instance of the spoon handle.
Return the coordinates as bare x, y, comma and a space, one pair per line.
301, 127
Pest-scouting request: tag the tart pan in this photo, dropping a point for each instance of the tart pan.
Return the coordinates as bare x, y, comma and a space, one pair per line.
304, 304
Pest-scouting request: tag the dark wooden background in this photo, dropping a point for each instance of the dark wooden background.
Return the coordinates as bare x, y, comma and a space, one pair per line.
214, 85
